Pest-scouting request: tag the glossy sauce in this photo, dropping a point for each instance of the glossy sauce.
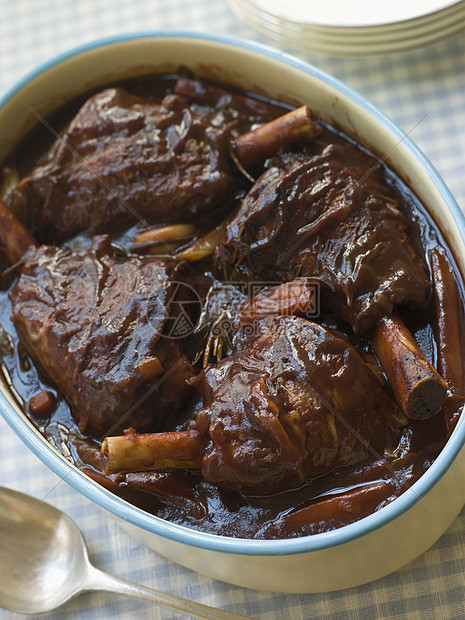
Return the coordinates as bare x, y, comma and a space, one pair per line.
184, 497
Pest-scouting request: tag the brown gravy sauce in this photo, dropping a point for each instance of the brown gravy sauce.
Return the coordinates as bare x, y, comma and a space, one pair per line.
184, 497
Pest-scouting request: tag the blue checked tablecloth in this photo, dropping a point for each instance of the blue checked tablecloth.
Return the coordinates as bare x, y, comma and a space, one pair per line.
423, 91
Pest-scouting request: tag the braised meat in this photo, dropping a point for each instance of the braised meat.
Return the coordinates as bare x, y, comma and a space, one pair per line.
193, 234
125, 158
292, 403
94, 323
330, 215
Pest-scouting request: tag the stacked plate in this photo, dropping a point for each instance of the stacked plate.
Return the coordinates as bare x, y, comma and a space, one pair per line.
354, 27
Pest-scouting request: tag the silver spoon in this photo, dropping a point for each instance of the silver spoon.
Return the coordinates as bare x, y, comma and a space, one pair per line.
44, 563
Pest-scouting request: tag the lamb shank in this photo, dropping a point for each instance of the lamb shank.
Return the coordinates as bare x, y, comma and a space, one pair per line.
291, 403
125, 158
94, 323
329, 214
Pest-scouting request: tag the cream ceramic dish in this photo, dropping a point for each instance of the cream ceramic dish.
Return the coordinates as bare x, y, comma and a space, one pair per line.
346, 557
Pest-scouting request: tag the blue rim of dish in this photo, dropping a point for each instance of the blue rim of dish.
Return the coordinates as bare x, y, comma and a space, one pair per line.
178, 533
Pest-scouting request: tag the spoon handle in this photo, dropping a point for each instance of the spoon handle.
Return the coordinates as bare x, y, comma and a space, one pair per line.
99, 580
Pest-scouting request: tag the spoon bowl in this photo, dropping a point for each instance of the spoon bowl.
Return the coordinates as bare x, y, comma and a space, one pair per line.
41, 548
44, 563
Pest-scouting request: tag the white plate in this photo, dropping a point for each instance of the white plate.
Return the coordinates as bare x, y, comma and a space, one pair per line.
340, 41
430, 21
353, 13
395, 38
